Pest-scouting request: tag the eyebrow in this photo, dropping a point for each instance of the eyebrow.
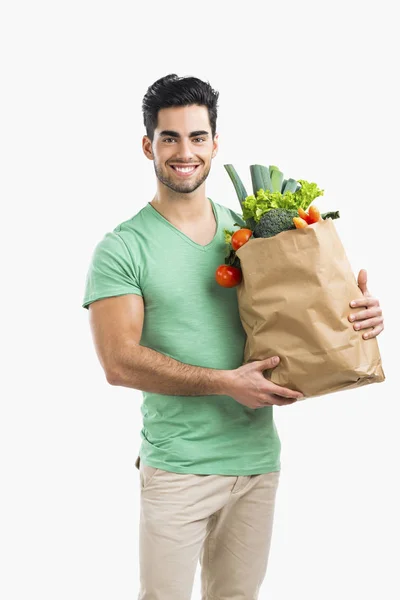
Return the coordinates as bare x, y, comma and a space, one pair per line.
177, 135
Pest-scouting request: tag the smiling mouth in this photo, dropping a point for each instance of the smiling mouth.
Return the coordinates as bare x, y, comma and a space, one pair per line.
184, 171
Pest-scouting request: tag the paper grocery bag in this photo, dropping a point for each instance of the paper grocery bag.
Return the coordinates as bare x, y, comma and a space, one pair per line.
294, 303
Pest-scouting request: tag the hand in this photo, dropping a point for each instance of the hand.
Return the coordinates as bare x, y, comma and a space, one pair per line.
372, 315
248, 386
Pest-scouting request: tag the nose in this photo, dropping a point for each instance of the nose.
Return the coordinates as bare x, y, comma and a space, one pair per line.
184, 150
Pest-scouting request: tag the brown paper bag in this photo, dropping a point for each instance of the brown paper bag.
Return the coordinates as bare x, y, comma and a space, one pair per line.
294, 303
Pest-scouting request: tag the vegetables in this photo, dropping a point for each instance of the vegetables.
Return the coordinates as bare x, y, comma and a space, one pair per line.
331, 215
299, 222
313, 214
271, 190
271, 223
255, 206
277, 204
304, 215
276, 179
274, 221
240, 237
237, 182
277, 220
228, 276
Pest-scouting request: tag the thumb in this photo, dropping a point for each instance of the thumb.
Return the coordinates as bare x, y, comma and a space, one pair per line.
362, 282
268, 363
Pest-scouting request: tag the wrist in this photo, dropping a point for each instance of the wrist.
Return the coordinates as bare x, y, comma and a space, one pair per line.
224, 383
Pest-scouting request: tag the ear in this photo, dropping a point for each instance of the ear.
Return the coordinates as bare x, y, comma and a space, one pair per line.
215, 145
147, 147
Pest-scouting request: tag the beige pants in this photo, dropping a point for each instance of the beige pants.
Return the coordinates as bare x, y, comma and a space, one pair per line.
223, 521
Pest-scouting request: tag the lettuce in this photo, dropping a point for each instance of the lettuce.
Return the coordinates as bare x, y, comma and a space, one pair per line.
264, 200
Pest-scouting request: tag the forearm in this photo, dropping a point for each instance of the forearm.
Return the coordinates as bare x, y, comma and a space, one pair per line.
145, 369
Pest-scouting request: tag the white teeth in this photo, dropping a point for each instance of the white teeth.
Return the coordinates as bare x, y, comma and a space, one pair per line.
185, 169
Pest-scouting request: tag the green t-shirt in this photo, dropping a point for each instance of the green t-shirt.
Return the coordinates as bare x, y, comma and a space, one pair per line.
192, 319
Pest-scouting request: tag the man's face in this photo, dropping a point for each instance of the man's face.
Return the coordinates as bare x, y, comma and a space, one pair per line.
182, 140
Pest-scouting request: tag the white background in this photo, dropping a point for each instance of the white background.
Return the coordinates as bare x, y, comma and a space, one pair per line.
307, 86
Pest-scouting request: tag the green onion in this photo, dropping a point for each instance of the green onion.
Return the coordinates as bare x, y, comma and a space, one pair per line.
276, 179
237, 182
291, 186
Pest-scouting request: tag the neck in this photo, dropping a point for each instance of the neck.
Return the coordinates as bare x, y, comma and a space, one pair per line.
182, 208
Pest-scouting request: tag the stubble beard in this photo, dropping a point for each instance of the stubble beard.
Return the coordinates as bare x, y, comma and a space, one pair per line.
186, 187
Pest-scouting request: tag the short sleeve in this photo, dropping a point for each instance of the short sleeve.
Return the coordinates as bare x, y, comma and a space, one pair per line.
111, 271
238, 219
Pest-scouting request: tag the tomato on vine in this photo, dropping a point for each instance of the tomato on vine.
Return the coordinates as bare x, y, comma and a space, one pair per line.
228, 276
240, 237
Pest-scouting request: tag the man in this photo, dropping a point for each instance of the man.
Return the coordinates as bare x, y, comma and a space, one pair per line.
210, 453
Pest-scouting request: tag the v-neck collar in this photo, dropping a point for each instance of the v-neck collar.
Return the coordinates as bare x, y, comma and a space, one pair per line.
187, 239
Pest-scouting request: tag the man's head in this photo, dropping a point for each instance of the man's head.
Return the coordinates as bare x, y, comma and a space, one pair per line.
180, 115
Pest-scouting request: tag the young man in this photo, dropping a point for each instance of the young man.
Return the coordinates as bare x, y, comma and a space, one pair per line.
210, 453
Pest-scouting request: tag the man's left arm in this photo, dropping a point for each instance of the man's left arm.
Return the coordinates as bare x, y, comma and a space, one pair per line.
371, 313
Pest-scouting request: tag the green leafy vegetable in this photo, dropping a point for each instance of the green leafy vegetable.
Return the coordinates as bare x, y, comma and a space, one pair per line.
290, 185
331, 215
271, 190
254, 206
260, 178
237, 182
307, 193
277, 220
228, 235
230, 254
276, 179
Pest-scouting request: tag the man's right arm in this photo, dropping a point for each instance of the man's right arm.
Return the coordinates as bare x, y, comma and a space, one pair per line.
116, 325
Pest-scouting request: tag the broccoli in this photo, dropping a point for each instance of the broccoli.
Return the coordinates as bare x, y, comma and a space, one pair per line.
251, 223
275, 221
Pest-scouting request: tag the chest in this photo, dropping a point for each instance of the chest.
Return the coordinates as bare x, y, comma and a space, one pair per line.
201, 233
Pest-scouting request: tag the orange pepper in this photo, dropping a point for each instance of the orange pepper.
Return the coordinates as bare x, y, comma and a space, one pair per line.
299, 222
304, 215
314, 214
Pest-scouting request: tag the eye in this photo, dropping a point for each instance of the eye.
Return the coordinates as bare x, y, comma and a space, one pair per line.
201, 139
168, 139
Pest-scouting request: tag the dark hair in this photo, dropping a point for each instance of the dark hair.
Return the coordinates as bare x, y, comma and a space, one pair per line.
172, 90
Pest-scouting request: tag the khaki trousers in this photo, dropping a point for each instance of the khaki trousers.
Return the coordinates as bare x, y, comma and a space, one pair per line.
224, 522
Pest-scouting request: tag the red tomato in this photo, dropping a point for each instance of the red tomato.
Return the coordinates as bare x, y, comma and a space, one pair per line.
228, 276
240, 237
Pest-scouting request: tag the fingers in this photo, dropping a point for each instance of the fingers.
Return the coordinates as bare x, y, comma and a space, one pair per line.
369, 313
366, 301
376, 329
283, 392
271, 399
370, 318
268, 363
362, 282
276, 394
374, 332
283, 402
368, 323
